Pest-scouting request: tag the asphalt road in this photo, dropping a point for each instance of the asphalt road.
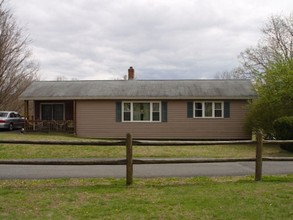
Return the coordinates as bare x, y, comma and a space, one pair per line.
142, 171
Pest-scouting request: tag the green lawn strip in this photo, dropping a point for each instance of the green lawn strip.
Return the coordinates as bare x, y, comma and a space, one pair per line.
160, 198
53, 136
18, 151
10, 151
208, 151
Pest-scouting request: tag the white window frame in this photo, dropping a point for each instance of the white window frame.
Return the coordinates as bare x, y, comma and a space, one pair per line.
52, 103
213, 109
151, 111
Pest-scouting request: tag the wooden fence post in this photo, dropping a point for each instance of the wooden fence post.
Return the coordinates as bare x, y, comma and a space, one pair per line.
129, 161
258, 159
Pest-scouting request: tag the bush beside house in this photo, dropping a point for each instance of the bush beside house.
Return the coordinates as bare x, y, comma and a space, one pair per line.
284, 131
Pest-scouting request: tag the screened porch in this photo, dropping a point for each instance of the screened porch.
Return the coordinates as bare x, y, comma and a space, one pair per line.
43, 115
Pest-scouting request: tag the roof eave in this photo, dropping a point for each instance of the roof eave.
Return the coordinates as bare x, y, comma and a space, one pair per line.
140, 98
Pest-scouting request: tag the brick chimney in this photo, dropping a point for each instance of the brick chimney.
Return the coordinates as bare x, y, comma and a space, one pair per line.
131, 73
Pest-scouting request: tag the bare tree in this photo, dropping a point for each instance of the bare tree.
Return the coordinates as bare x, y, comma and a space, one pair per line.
61, 78
64, 78
236, 73
276, 44
17, 68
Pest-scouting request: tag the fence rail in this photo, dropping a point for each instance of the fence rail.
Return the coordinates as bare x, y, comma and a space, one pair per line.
129, 161
82, 143
123, 161
123, 142
141, 142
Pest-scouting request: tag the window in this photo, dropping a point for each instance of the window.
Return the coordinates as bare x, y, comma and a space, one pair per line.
218, 110
208, 109
141, 111
12, 115
127, 112
4, 115
198, 109
156, 111
52, 111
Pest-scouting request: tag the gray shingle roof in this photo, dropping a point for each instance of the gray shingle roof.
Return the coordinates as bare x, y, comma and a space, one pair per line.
139, 89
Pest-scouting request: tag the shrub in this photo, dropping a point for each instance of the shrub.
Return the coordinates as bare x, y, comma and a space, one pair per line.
284, 131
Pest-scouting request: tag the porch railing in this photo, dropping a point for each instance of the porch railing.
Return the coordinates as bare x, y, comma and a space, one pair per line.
50, 125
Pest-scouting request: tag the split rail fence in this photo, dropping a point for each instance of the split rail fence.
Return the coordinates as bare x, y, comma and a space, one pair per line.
129, 161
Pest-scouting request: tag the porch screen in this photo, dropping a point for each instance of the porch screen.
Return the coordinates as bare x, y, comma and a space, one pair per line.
52, 111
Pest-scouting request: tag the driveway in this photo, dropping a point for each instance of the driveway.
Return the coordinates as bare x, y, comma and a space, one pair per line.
142, 171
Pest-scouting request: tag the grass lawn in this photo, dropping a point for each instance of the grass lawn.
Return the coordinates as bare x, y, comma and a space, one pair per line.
17, 151
162, 198
16, 135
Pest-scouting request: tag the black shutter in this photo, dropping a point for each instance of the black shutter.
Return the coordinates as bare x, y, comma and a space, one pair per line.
226, 109
189, 109
118, 112
164, 111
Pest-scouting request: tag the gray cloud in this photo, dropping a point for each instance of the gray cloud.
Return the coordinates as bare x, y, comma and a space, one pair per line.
173, 39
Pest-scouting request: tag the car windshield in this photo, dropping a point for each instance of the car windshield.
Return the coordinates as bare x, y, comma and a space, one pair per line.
3, 114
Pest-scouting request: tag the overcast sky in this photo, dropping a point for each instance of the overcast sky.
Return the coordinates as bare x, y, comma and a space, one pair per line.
161, 39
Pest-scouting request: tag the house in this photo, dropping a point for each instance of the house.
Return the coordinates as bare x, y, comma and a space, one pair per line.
149, 109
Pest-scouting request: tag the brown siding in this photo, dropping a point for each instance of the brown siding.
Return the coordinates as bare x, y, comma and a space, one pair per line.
98, 119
